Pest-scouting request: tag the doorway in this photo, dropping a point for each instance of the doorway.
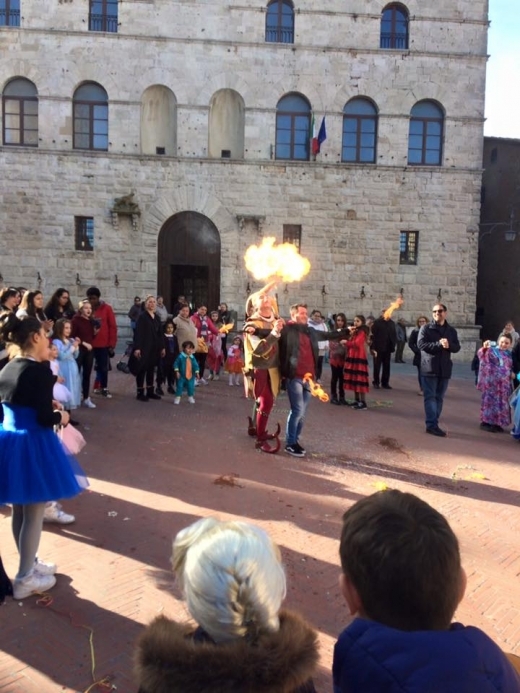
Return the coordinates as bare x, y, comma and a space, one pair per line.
188, 260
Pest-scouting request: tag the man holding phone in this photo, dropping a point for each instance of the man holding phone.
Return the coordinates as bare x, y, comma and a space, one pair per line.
437, 340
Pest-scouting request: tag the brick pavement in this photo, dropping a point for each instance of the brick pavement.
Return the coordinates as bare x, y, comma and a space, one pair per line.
153, 468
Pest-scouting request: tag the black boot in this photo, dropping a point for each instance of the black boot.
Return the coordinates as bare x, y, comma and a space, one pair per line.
140, 395
334, 400
151, 394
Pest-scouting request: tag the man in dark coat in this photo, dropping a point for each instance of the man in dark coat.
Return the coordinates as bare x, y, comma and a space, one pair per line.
384, 339
436, 341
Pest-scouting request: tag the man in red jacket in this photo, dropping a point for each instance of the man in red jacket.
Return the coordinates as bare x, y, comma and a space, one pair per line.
104, 343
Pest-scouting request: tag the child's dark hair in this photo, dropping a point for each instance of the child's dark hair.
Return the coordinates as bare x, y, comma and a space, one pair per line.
169, 322
17, 332
59, 327
403, 558
187, 343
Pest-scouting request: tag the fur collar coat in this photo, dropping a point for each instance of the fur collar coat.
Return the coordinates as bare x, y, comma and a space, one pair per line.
170, 660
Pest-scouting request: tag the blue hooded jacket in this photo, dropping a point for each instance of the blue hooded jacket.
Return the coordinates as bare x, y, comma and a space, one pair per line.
373, 658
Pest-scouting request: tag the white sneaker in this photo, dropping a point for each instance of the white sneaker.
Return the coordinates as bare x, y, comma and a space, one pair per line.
43, 568
203, 381
210, 376
33, 583
176, 400
89, 403
191, 400
216, 377
197, 383
54, 513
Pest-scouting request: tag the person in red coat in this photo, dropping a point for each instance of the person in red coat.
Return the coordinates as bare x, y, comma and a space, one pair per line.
104, 343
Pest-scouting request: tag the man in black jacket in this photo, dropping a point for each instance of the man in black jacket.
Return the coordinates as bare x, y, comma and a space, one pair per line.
436, 341
384, 339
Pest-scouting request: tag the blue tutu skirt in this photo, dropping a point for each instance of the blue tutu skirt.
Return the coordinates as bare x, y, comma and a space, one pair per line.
34, 467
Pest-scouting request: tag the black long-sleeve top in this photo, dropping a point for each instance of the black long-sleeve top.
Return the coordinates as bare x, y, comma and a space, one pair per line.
29, 383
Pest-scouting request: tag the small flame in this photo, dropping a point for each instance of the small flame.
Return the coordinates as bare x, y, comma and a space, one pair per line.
269, 260
316, 388
393, 306
226, 328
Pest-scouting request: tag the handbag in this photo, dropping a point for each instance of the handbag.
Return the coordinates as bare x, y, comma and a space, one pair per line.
202, 347
71, 439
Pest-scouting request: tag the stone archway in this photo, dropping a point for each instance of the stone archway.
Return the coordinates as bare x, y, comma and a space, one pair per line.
188, 260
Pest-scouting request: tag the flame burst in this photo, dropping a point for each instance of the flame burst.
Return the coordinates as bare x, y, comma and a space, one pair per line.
393, 306
316, 388
269, 260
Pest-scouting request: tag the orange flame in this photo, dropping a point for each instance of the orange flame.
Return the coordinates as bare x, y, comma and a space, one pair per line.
226, 328
393, 306
316, 388
269, 260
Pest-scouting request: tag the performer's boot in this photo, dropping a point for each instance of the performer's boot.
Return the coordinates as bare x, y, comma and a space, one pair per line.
262, 436
151, 394
251, 429
140, 395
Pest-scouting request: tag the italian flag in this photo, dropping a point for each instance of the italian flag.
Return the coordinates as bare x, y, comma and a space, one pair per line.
317, 137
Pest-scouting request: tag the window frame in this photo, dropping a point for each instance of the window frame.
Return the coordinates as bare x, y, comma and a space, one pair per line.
393, 38
408, 247
109, 22
276, 34
92, 120
292, 112
359, 118
9, 14
292, 233
21, 115
83, 234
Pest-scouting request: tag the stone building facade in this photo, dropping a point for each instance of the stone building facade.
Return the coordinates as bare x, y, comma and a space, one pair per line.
188, 148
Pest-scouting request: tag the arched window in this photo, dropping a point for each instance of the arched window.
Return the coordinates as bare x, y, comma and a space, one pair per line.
425, 137
226, 125
394, 27
159, 121
90, 115
279, 22
20, 113
293, 122
359, 131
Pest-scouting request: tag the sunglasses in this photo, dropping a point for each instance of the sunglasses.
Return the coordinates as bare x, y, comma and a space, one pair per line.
441, 310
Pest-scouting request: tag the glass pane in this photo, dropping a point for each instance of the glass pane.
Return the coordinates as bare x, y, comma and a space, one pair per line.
426, 109
293, 102
366, 154
20, 87
100, 127
433, 143
30, 138
349, 140
283, 151
414, 156
30, 107
12, 136
81, 110
416, 127
349, 154
90, 92
415, 142
96, 6
350, 124
368, 125
301, 136
12, 121
301, 152
100, 142
367, 140
100, 112
81, 125
433, 127
30, 122
433, 157
12, 106
360, 107
283, 136
302, 123
283, 121
82, 142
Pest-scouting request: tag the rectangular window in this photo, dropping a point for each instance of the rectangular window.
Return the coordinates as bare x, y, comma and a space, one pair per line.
408, 247
292, 233
103, 15
9, 12
84, 233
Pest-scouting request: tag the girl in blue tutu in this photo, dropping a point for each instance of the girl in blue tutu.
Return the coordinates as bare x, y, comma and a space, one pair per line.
34, 468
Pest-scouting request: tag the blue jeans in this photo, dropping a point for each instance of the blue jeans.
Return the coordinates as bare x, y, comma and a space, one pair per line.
434, 389
299, 396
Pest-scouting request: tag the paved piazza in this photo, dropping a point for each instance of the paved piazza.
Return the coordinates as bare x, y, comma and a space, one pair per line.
154, 468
